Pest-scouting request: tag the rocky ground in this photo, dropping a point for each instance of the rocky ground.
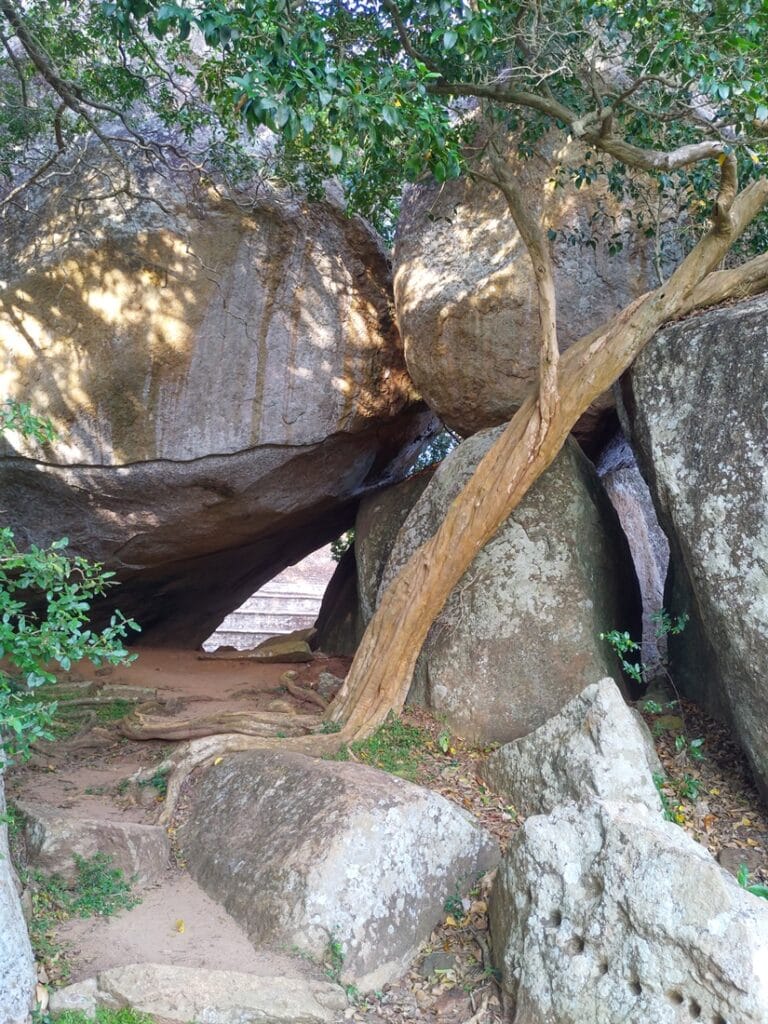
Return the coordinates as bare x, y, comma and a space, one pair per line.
707, 791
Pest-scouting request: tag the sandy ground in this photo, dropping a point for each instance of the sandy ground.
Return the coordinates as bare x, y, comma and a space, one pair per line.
177, 924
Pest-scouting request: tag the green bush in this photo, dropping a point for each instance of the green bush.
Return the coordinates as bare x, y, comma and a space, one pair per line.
45, 605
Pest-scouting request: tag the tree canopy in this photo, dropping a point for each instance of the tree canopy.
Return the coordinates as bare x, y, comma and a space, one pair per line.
375, 92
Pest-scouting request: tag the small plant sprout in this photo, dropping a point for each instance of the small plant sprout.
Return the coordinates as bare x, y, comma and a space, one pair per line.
742, 878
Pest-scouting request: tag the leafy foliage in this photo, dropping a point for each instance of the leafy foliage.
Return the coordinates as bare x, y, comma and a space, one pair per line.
378, 92
45, 603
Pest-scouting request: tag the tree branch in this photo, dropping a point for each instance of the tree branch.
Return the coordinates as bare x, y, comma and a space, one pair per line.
532, 233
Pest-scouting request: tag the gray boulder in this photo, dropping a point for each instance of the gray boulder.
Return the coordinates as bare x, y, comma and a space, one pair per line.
178, 995
629, 494
18, 976
226, 380
606, 914
519, 635
305, 852
53, 839
596, 747
695, 403
377, 525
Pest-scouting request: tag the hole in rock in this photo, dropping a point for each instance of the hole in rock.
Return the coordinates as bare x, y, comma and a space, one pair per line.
290, 601
718, 1019
695, 1009
635, 987
555, 919
576, 945
603, 966
675, 997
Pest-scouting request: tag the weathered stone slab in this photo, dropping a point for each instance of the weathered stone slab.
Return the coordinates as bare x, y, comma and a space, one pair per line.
53, 838
305, 852
178, 995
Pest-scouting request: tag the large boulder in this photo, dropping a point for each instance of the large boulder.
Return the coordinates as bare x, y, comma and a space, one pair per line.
464, 288
696, 407
377, 525
307, 853
595, 748
520, 634
603, 913
339, 625
225, 379
18, 976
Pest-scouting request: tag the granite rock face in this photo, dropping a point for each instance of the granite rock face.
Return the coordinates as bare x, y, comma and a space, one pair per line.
519, 635
695, 404
604, 913
595, 748
225, 379
377, 525
302, 852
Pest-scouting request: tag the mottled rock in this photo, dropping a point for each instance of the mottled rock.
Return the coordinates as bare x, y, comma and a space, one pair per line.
339, 625
17, 966
629, 494
225, 378
81, 997
695, 403
596, 747
54, 838
303, 852
604, 913
290, 648
464, 289
178, 995
519, 635
377, 525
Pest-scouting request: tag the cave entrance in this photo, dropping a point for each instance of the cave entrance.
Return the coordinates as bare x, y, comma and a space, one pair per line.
289, 601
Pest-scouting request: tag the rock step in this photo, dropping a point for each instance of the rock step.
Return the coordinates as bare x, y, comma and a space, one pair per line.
182, 994
54, 837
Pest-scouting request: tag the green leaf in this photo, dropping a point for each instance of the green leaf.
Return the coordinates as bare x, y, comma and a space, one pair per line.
450, 38
336, 154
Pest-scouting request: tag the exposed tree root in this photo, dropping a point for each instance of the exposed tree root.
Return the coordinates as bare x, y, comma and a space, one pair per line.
302, 692
138, 726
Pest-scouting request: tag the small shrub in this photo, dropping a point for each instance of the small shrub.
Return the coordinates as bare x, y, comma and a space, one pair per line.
743, 879
394, 748
101, 890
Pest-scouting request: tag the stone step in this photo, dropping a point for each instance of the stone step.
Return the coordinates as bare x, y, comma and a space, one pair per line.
182, 994
54, 837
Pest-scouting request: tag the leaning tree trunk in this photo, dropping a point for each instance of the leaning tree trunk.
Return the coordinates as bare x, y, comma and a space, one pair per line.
381, 672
